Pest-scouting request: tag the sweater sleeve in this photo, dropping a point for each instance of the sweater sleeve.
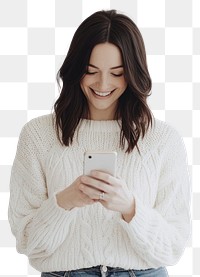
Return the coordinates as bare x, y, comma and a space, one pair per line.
38, 223
159, 234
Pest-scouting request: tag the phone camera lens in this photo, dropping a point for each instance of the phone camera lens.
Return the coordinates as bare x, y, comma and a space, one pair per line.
90, 157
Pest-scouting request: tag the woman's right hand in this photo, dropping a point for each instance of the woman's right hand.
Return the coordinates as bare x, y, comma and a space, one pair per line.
72, 196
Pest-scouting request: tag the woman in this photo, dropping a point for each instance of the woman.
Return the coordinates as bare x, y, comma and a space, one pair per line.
69, 224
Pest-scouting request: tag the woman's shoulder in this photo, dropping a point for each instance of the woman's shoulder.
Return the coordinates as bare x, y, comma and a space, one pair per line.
40, 131
161, 134
164, 130
40, 124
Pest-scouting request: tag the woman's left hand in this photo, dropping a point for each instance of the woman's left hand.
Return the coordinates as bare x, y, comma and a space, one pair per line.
111, 192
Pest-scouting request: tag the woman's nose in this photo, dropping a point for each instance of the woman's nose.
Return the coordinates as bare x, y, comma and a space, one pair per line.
103, 83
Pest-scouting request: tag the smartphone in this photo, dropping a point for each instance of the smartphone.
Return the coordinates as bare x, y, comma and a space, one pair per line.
102, 161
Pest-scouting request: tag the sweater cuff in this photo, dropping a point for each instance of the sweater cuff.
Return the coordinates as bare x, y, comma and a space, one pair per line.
50, 224
51, 212
142, 224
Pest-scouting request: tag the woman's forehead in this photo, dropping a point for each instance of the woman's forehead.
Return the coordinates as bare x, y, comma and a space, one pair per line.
106, 55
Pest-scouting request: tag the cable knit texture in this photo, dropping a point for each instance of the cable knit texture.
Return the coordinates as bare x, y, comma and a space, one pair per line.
59, 240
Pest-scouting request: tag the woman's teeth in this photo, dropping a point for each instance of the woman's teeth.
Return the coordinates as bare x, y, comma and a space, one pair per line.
103, 94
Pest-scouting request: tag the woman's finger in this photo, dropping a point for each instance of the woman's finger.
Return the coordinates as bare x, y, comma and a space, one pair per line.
106, 178
91, 192
96, 183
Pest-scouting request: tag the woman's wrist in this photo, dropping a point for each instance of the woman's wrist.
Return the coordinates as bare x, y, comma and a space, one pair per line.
61, 203
128, 216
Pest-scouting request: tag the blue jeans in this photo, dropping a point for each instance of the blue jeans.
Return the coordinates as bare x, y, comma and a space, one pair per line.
102, 271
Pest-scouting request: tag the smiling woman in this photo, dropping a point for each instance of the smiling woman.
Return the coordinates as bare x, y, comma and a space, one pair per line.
104, 82
105, 40
70, 224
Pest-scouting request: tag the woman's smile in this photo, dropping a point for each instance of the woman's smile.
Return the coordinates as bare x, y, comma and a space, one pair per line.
102, 94
104, 82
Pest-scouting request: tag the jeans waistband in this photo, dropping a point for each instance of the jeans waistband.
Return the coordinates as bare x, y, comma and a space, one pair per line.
100, 267
106, 270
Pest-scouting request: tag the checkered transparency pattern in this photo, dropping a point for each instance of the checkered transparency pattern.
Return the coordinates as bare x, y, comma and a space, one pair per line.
35, 36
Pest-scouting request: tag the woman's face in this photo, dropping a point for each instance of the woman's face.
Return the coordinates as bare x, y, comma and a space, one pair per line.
104, 81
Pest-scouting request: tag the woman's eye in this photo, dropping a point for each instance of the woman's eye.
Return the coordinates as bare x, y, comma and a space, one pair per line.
90, 73
117, 75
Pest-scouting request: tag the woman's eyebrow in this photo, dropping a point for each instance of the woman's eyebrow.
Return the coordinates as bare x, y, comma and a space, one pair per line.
118, 66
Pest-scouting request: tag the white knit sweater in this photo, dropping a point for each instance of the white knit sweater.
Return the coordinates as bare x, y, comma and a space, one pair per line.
59, 240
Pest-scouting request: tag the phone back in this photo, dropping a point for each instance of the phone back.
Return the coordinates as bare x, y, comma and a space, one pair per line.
102, 161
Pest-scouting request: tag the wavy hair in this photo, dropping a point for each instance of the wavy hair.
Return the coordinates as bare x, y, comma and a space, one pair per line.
133, 111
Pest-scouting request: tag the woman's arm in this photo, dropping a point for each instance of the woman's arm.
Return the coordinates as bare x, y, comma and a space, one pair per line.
38, 223
159, 234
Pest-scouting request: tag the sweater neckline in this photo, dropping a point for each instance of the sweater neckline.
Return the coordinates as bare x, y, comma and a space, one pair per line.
99, 125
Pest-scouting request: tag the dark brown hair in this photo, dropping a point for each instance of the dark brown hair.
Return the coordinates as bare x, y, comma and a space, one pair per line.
133, 111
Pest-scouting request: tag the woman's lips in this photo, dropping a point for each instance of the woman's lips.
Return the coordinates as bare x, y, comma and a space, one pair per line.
102, 94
